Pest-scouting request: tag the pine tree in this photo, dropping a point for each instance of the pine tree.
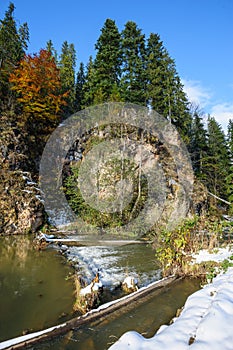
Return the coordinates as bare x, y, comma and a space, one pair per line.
133, 80
67, 65
79, 88
107, 64
88, 87
50, 48
230, 137
198, 145
229, 178
13, 43
218, 161
164, 89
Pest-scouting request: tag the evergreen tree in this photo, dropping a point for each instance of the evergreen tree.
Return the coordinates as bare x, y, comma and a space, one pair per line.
198, 145
88, 87
164, 89
133, 80
79, 89
67, 65
230, 138
107, 64
13, 43
50, 48
218, 161
229, 178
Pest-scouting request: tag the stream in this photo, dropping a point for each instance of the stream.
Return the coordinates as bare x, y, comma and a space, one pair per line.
35, 292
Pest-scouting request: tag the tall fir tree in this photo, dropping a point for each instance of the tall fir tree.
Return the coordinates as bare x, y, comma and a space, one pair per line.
218, 161
230, 138
133, 80
50, 48
164, 89
107, 64
67, 65
229, 178
13, 44
79, 88
198, 145
89, 85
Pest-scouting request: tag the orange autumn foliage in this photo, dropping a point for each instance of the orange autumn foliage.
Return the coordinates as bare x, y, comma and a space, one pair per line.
37, 83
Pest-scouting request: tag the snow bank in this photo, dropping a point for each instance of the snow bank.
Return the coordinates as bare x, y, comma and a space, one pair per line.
205, 323
220, 255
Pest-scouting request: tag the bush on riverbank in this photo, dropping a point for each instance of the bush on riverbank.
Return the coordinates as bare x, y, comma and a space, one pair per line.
174, 249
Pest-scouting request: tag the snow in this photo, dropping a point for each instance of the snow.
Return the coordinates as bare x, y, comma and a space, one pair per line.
220, 255
205, 323
11, 342
90, 288
130, 282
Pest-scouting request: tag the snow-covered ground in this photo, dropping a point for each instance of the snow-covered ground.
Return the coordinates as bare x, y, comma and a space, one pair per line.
206, 322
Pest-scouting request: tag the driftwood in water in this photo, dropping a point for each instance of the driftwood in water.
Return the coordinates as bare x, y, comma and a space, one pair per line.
97, 314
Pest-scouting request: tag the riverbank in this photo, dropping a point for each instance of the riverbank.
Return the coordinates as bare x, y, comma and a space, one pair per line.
205, 321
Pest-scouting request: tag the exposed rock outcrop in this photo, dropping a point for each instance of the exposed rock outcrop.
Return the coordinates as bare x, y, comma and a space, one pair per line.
21, 206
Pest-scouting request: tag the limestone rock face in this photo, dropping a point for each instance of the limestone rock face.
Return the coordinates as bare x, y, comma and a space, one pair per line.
21, 205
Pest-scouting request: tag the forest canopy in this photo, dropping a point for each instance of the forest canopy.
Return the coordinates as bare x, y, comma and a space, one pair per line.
38, 91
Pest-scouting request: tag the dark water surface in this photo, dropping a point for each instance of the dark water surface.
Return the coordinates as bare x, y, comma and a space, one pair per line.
158, 308
36, 294
34, 291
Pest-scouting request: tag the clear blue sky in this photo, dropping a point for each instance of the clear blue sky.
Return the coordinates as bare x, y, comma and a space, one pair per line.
198, 34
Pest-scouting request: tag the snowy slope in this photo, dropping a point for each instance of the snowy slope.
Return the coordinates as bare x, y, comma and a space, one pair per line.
206, 321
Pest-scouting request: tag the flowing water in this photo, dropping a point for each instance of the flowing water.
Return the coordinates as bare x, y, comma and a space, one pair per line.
157, 309
35, 293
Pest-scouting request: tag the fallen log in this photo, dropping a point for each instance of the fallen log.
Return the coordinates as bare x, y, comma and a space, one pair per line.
93, 315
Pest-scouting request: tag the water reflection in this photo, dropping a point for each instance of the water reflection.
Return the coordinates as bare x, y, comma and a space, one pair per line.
34, 292
158, 308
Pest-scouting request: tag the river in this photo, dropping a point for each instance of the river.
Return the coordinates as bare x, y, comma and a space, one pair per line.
35, 292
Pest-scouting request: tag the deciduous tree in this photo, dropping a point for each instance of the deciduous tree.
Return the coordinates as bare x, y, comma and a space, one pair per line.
37, 83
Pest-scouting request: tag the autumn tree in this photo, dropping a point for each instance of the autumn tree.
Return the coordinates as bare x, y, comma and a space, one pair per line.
37, 83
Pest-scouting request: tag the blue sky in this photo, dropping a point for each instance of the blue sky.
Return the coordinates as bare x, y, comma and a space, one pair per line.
198, 34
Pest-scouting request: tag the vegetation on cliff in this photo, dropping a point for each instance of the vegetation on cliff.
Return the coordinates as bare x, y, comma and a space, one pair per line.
39, 91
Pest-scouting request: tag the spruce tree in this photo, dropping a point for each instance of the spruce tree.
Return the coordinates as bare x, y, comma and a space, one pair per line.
107, 64
50, 48
198, 145
67, 65
229, 178
13, 44
79, 88
89, 87
230, 138
164, 89
218, 161
133, 80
